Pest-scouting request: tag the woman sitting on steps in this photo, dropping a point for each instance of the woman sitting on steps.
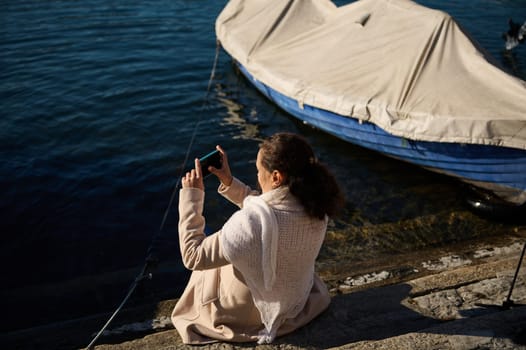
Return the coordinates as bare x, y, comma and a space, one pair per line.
254, 279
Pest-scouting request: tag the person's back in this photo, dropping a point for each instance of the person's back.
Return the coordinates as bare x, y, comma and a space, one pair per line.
300, 240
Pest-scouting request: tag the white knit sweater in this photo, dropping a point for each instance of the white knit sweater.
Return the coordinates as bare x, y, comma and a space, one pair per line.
274, 244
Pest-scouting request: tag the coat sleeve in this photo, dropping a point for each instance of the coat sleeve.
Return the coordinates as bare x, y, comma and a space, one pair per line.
236, 192
198, 251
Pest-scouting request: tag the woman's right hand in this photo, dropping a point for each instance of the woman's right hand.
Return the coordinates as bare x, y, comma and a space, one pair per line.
224, 174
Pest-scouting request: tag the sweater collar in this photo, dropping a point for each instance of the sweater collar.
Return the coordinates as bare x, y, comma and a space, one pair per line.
280, 198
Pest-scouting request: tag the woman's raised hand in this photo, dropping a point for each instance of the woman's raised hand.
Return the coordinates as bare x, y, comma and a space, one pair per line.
224, 174
194, 178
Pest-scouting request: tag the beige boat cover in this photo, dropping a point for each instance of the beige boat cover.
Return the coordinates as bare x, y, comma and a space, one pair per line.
411, 70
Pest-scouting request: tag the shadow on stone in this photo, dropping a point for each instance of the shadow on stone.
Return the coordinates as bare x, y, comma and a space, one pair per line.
371, 314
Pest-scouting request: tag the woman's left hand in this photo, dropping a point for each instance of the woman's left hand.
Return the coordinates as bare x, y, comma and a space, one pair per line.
194, 178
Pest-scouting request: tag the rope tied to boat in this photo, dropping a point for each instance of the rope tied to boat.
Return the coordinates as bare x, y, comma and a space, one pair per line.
151, 259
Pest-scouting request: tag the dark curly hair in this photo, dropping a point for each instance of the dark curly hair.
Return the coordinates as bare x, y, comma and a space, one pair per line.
309, 180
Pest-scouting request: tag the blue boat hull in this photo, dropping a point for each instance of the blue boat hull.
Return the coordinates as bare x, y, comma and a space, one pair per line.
500, 170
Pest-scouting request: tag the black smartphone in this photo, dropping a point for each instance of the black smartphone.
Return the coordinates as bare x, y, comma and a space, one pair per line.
213, 158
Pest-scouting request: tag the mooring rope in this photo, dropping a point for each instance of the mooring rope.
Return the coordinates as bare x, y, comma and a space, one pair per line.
150, 258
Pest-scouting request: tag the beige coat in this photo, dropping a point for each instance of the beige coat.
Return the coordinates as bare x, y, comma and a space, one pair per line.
217, 304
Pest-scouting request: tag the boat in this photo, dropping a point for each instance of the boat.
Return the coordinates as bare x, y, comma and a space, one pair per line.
389, 75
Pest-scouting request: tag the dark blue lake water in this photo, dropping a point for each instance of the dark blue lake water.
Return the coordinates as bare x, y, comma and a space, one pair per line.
99, 101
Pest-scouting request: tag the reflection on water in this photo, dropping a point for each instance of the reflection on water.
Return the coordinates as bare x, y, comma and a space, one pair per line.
247, 130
